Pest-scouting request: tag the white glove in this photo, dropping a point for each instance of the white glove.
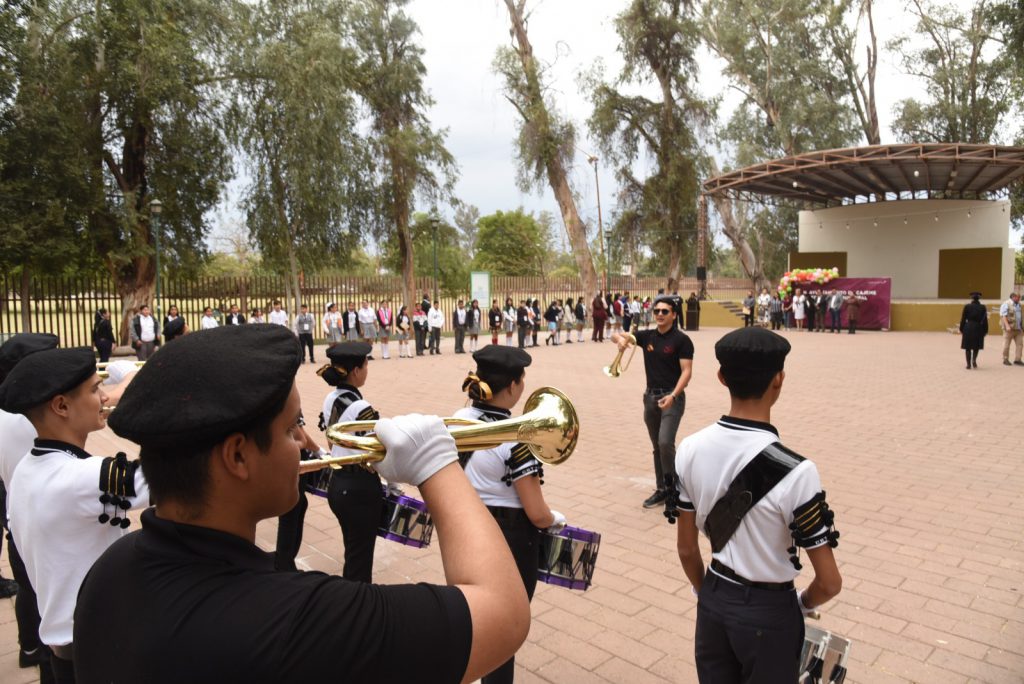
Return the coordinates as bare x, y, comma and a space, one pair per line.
417, 447
559, 523
118, 370
808, 612
394, 489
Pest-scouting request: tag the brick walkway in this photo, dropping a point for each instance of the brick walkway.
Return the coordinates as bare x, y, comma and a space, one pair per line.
922, 461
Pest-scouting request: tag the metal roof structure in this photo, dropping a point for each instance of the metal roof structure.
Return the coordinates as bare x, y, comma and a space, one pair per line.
877, 173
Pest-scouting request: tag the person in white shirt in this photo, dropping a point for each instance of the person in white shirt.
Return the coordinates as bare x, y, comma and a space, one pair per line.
143, 333
208, 321
368, 324
66, 506
278, 316
331, 325
799, 308
304, 330
508, 477
509, 314
759, 503
764, 305
435, 321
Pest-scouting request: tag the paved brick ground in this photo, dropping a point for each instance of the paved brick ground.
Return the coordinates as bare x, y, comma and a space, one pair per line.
922, 461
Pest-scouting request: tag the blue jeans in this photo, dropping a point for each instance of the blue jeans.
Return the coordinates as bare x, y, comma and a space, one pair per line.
836, 318
661, 428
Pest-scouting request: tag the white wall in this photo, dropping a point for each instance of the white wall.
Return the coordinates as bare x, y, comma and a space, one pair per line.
901, 239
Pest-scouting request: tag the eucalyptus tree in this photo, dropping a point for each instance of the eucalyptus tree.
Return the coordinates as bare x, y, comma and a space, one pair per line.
968, 79
658, 40
546, 142
132, 87
297, 124
411, 155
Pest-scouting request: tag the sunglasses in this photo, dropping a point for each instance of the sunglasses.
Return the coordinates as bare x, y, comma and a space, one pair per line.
662, 312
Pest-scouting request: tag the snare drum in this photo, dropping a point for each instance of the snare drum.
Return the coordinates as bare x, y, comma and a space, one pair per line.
823, 658
406, 521
567, 558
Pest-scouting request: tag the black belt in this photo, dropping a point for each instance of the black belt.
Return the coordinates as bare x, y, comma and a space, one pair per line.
507, 514
727, 572
660, 390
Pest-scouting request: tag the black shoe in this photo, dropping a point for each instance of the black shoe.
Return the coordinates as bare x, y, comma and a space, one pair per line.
968, 366
1006, 363
8, 587
568, 341
32, 658
974, 363
658, 497
1018, 363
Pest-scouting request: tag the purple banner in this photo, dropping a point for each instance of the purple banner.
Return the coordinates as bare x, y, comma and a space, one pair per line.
875, 295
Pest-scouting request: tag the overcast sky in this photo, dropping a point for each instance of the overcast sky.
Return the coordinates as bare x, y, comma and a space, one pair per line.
460, 37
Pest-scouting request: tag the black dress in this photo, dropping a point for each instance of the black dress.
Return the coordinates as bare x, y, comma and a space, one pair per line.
973, 326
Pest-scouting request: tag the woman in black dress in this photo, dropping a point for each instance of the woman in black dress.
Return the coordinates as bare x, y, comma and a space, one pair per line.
973, 328
103, 335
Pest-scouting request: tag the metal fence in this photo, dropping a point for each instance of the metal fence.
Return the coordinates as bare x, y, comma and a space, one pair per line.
66, 306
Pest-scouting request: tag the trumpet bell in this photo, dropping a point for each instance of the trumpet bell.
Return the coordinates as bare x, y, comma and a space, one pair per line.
612, 372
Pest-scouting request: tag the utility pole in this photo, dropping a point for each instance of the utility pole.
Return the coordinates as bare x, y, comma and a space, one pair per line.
600, 225
433, 224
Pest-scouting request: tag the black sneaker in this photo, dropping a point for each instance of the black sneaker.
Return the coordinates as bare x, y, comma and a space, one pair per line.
1018, 363
1006, 363
658, 497
31, 658
8, 587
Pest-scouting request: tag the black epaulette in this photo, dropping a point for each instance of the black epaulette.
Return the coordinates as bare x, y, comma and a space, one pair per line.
521, 454
117, 484
813, 525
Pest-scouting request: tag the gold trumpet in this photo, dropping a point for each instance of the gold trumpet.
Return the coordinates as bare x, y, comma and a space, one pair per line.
101, 368
549, 426
617, 369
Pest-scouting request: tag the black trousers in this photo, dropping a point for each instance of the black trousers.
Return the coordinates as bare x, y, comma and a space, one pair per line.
460, 338
746, 635
306, 342
435, 340
523, 540
355, 498
104, 347
289, 533
421, 340
63, 670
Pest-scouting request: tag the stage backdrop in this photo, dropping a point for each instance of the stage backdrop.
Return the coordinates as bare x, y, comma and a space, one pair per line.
877, 293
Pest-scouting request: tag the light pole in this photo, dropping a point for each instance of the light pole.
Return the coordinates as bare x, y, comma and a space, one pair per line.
600, 225
433, 224
155, 207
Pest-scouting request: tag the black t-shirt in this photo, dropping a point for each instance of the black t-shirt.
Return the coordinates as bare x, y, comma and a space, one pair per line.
662, 354
178, 603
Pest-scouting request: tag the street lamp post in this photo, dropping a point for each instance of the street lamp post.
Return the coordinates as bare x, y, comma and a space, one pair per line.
433, 224
155, 207
600, 226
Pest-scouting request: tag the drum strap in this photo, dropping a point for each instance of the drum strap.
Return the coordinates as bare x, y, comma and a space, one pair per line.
752, 483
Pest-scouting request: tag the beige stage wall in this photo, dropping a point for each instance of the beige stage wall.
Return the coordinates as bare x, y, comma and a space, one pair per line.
902, 240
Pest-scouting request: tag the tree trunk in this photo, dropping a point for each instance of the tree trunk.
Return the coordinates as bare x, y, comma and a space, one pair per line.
135, 286
400, 216
26, 299
557, 177
675, 259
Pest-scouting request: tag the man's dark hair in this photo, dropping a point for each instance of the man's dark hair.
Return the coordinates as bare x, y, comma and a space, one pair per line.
184, 474
747, 384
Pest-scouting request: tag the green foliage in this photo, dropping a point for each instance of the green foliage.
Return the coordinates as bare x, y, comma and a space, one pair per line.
1019, 266
511, 243
297, 120
452, 264
544, 136
968, 87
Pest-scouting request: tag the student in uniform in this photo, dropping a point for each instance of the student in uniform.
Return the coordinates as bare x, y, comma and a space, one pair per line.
402, 325
507, 478
66, 506
475, 322
494, 319
331, 325
191, 598
354, 493
668, 364
759, 503
510, 317
304, 329
17, 435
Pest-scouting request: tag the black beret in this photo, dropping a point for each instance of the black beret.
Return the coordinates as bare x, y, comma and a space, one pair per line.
496, 358
208, 385
21, 345
976, 295
41, 376
349, 355
175, 327
753, 349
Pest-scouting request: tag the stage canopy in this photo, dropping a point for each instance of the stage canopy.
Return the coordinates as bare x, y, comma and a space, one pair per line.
877, 173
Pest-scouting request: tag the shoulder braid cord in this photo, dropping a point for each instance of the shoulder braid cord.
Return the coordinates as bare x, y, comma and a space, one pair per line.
808, 519
117, 484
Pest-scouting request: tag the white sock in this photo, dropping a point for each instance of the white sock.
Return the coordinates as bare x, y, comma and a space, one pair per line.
386, 350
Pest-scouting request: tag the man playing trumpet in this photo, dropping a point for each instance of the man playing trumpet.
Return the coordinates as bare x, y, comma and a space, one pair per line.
668, 363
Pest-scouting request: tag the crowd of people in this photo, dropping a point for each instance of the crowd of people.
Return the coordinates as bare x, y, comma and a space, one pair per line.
822, 311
